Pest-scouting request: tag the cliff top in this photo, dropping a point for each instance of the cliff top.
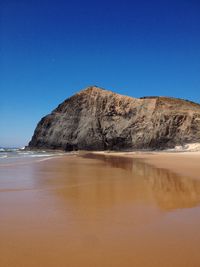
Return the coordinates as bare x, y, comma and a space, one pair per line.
94, 89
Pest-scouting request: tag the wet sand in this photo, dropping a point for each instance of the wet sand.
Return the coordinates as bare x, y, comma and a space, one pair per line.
182, 163
99, 210
186, 163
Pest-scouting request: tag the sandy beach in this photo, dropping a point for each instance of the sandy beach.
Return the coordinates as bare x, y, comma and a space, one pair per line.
103, 209
183, 163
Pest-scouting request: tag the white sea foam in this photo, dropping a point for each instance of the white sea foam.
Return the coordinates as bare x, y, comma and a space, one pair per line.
43, 155
15, 153
3, 156
44, 159
3, 149
25, 153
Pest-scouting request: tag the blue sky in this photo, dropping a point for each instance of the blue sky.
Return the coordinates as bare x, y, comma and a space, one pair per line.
51, 49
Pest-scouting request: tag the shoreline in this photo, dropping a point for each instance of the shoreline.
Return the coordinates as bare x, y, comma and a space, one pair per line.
183, 163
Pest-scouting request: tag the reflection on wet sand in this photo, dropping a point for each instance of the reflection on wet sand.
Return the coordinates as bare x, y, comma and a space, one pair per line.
135, 181
97, 211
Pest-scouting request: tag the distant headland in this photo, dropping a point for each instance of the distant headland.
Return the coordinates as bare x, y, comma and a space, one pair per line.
98, 119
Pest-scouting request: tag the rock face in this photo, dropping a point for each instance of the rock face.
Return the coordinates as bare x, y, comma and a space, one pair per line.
97, 119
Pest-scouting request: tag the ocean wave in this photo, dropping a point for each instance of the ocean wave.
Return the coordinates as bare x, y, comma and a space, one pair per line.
3, 149
3, 156
17, 154
25, 153
43, 155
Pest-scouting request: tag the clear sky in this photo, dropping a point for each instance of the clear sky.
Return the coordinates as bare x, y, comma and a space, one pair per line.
51, 49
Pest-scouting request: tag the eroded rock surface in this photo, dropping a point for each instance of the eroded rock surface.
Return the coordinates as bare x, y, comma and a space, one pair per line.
97, 119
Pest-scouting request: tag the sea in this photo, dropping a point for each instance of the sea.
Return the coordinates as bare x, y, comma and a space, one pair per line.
13, 154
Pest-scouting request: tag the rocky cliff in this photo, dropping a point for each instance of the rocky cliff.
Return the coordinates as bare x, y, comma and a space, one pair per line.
97, 119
